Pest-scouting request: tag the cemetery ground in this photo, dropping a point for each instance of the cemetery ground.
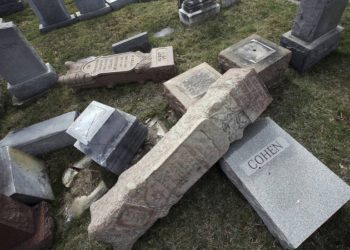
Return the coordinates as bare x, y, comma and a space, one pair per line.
314, 108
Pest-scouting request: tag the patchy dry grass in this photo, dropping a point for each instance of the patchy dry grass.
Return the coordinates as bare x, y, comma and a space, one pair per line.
314, 108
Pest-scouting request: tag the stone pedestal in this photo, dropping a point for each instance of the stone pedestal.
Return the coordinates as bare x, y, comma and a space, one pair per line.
52, 14
196, 11
91, 8
292, 191
139, 42
108, 136
34, 76
23, 177
43, 137
8, 7
184, 90
268, 59
118, 4
315, 33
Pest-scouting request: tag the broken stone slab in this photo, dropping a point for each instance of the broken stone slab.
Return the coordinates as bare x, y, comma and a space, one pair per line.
198, 16
184, 90
268, 59
42, 137
68, 177
52, 14
121, 68
291, 190
35, 77
91, 8
85, 162
147, 190
109, 136
23, 177
118, 4
139, 42
8, 7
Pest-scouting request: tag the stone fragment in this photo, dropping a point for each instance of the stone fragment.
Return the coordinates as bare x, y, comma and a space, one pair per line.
42, 137
184, 90
291, 190
52, 14
268, 59
146, 191
164, 32
120, 69
118, 4
157, 130
139, 42
109, 136
8, 7
68, 177
196, 11
23, 177
91, 8
35, 77
85, 162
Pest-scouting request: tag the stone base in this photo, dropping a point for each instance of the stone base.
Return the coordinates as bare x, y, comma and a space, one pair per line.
305, 55
25, 91
198, 16
11, 7
45, 29
96, 13
118, 4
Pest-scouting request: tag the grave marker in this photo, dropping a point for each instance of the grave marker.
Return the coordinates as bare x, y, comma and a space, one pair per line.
8, 7
91, 8
196, 11
139, 42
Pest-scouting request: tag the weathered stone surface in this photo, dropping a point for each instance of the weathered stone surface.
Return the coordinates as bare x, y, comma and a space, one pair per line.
268, 59
16, 222
91, 8
52, 14
199, 15
42, 137
120, 69
16, 53
23, 177
292, 191
8, 7
109, 136
139, 42
146, 191
317, 17
184, 90
118, 4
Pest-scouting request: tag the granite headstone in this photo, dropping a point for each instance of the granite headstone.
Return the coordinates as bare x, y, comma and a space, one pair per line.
118, 4
196, 11
8, 7
139, 42
91, 8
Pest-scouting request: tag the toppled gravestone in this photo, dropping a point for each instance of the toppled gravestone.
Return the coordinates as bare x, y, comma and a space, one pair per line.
158, 65
91, 8
42, 137
146, 191
291, 190
109, 136
139, 42
23, 227
118, 4
23, 177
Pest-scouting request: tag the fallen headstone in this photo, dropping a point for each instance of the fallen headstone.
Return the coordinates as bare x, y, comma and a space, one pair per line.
91, 8
291, 190
35, 77
184, 90
120, 69
196, 11
315, 33
268, 59
52, 14
23, 177
42, 137
118, 4
8, 7
147, 190
139, 42
109, 136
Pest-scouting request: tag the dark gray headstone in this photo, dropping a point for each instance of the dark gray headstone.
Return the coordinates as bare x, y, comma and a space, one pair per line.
196, 11
8, 7
139, 42
118, 4
34, 76
23, 177
107, 135
43, 137
52, 14
91, 8
291, 190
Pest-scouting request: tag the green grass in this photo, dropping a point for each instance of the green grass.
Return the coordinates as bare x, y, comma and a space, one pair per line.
213, 214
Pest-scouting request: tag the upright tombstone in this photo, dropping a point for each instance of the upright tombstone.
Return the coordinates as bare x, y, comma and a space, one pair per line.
268, 59
23, 177
108, 136
118, 4
291, 190
21, 66
8, 7
52, 14
315, 33
146, 191
184, 90
196, 11
91, 8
